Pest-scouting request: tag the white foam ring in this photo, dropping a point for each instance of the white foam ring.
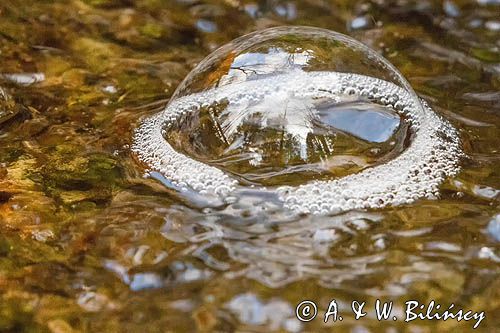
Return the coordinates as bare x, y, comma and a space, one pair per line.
417, 172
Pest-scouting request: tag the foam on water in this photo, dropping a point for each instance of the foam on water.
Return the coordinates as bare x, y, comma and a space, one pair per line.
417, 172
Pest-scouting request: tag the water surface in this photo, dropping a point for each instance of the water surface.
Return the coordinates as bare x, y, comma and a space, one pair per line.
87, 244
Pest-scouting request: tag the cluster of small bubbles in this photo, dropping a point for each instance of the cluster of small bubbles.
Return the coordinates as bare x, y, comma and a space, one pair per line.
416, 173
182, 171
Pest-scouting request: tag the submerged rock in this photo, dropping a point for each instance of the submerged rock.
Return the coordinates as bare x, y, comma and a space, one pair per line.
8, 107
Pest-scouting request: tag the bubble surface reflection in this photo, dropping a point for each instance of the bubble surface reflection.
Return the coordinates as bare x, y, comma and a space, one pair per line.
323, 121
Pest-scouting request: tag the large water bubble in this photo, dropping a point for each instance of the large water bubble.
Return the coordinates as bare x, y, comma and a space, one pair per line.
313, 116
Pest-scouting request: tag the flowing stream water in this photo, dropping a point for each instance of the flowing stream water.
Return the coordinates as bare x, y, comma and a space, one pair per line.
89, 244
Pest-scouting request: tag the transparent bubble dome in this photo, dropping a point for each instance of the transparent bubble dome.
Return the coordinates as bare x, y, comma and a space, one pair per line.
312, 116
